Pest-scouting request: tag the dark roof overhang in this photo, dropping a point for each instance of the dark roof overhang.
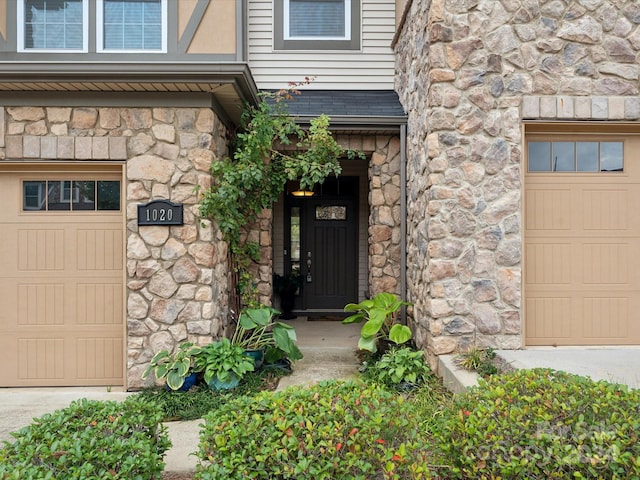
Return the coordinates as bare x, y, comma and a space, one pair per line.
351, 111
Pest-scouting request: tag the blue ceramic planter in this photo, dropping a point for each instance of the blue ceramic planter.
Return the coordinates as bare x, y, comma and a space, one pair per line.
257, 356
189, 382
215, 384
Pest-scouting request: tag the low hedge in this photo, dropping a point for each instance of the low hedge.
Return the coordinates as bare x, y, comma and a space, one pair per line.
89, 440
333, 430
542, 424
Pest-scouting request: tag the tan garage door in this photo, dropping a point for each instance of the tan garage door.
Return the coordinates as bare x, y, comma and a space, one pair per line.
61, 278
582, 240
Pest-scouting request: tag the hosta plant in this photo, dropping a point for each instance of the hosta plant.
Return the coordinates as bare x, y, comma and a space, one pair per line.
223, 361
173, 367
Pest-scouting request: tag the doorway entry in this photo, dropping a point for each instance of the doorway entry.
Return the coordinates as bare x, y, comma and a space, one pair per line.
321, 232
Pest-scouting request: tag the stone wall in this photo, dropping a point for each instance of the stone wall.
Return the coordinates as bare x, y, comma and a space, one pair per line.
176, 277
384, 236
465, 68
384, 215
262, 272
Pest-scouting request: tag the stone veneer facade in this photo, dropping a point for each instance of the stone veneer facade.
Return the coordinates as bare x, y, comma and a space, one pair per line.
469, 73
176, 277
385, 234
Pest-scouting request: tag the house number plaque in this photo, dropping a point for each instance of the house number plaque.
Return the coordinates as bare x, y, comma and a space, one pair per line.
160, 212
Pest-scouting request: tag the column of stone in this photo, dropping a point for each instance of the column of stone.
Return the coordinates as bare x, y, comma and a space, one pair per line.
177, 275
384, 216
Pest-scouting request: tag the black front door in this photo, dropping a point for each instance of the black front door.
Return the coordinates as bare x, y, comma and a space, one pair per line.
327, 256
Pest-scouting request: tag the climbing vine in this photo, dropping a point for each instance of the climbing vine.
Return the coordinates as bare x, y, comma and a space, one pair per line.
256, 173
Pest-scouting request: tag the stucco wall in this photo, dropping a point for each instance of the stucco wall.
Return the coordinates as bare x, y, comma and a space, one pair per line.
463, 70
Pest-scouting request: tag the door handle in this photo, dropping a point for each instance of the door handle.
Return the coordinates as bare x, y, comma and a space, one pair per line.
309, 278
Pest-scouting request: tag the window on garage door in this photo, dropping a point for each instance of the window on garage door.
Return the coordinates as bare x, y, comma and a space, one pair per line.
575, 156
70, 195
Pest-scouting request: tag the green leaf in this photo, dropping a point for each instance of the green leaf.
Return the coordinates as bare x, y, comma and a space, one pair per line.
367, 344
358, 317
261, 316
161, 370
175, 380
400, 334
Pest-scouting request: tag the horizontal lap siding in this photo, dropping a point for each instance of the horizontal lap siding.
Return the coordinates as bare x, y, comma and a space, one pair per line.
371, 68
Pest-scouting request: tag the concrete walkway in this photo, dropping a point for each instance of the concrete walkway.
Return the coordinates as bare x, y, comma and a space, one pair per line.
19, 406
615, 365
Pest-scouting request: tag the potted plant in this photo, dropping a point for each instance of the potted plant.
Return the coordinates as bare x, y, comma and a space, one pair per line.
177, 369
286, 287
379, 314
257, 329
223, 363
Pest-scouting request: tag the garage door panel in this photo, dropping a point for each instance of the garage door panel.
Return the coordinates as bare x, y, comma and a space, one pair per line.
548, 263
606, 263
606, 317
41, 361
99, 249
41, 249
41, 305
99, 358
99, 304
547, 317
548, 208
605, 209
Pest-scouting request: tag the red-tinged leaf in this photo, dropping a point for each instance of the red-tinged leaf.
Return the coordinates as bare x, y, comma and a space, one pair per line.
380, 441
338, 446
289, 432
353, 431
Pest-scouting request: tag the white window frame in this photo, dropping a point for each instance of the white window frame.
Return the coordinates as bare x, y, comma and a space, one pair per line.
21, 31
347, 25
100, 31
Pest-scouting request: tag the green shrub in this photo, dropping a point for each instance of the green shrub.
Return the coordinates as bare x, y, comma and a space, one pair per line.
542, 424
399, 368
89, 440
333, 430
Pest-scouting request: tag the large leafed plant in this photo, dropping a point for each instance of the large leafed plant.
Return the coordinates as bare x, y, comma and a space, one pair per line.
270, 149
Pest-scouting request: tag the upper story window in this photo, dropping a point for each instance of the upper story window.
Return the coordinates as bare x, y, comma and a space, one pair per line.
52, 25
317, 24
132, 25
63, 25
